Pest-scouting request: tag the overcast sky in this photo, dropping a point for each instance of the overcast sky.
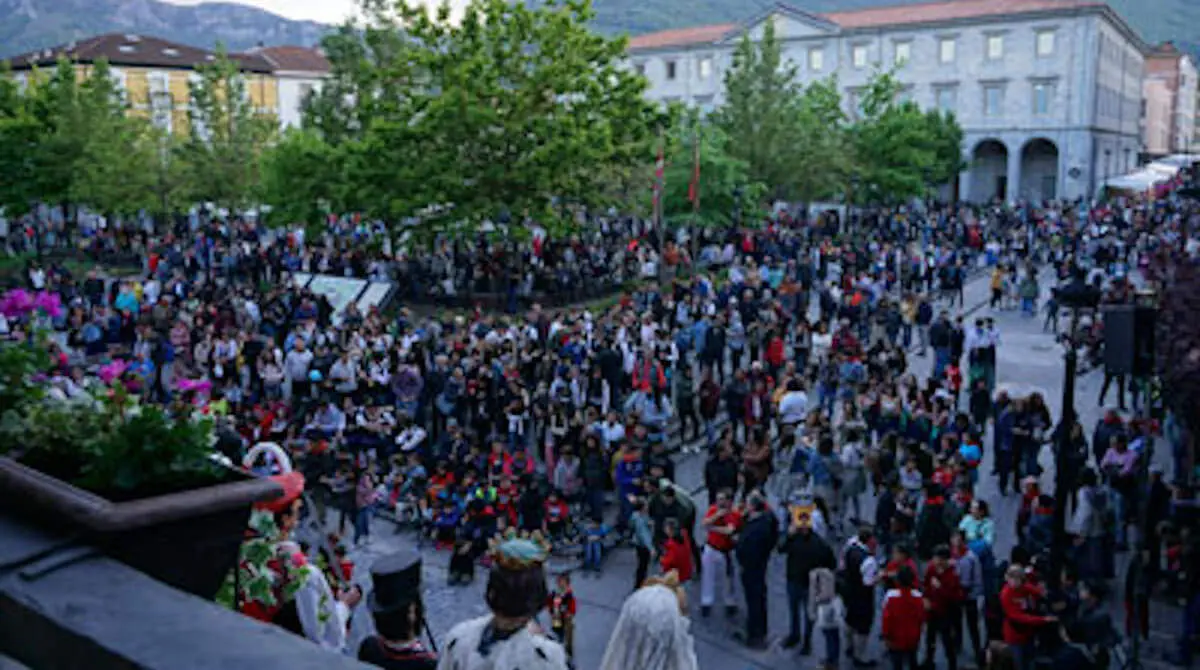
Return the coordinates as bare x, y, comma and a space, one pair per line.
326, 11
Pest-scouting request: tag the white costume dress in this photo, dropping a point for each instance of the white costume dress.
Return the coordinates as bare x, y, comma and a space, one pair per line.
652, 634
524, 650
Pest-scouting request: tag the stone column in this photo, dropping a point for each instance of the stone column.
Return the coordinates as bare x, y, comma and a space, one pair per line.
1014, 174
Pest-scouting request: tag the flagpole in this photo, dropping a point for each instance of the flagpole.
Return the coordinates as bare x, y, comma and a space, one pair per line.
660, 167
694, 190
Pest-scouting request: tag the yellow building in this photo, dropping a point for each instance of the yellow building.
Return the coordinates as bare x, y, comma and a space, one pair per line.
154, 74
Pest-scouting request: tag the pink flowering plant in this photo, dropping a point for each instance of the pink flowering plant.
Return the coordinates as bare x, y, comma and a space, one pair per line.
108, 443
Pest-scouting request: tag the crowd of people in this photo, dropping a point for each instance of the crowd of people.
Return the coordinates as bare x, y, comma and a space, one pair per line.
784, 353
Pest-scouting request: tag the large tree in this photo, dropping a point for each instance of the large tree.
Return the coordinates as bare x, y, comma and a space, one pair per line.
822, 151
20, 135
227, 136
301, 177
762, 110
117, 144
511, 109
900, 151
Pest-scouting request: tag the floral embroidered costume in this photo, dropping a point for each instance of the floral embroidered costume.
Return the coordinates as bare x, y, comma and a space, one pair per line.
278, 584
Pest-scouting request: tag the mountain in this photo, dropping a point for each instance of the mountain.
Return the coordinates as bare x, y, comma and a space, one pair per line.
33, 24
1155, 20
26, 25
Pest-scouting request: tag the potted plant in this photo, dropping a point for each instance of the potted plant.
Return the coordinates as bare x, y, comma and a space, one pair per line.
140, 484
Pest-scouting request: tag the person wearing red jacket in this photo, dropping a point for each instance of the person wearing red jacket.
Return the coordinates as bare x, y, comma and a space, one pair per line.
943, 597
774, 355
903, 617
1018, 601
676, 551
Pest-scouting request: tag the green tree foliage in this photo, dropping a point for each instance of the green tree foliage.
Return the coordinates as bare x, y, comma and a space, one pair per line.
823, 151
947, 143
117, 174
52, 133
761, 114
300, 175
900, 151
721, 176
512, 109
118, 165
226, 138
20, 134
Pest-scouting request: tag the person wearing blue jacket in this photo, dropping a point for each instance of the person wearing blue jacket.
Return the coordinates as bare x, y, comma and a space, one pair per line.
628, 477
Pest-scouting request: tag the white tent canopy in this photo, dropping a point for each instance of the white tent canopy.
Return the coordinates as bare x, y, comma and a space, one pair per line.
1163, 168
1142, 180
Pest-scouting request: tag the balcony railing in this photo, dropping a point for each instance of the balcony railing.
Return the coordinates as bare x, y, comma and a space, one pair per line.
64, 606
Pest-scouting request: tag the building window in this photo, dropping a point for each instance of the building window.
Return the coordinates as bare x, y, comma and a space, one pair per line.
22, 81
160, 82
1045, 43
118, 78
305, 91
993, 99
640, 68
704, 103
946, 98
995, 47
671, 70
859, 56
947, 47
1043, 95
905, 95
816, 59
705, 67
903, 53
854, 103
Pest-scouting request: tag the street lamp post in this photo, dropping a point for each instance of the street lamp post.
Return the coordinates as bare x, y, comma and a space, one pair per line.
1063, 448
1076, 296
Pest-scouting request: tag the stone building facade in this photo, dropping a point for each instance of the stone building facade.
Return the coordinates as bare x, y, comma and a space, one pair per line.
1048, 92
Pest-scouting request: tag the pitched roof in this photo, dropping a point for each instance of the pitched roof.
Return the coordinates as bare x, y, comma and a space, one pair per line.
929, 12
895, 15
133, 50
294, 59
681, 36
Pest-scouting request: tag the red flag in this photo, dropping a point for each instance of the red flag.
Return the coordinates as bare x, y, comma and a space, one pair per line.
694, 186
660, 168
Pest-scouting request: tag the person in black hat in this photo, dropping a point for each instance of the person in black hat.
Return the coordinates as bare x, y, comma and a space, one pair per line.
399, 614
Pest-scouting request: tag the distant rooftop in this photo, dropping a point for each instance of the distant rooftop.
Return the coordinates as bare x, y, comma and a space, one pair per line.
876, 17
133, 51
294, 58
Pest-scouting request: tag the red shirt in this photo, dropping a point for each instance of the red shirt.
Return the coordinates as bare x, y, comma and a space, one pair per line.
903, 617
942, 588
556, 512
775, 352
729, 517
1020, 623
677, 556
